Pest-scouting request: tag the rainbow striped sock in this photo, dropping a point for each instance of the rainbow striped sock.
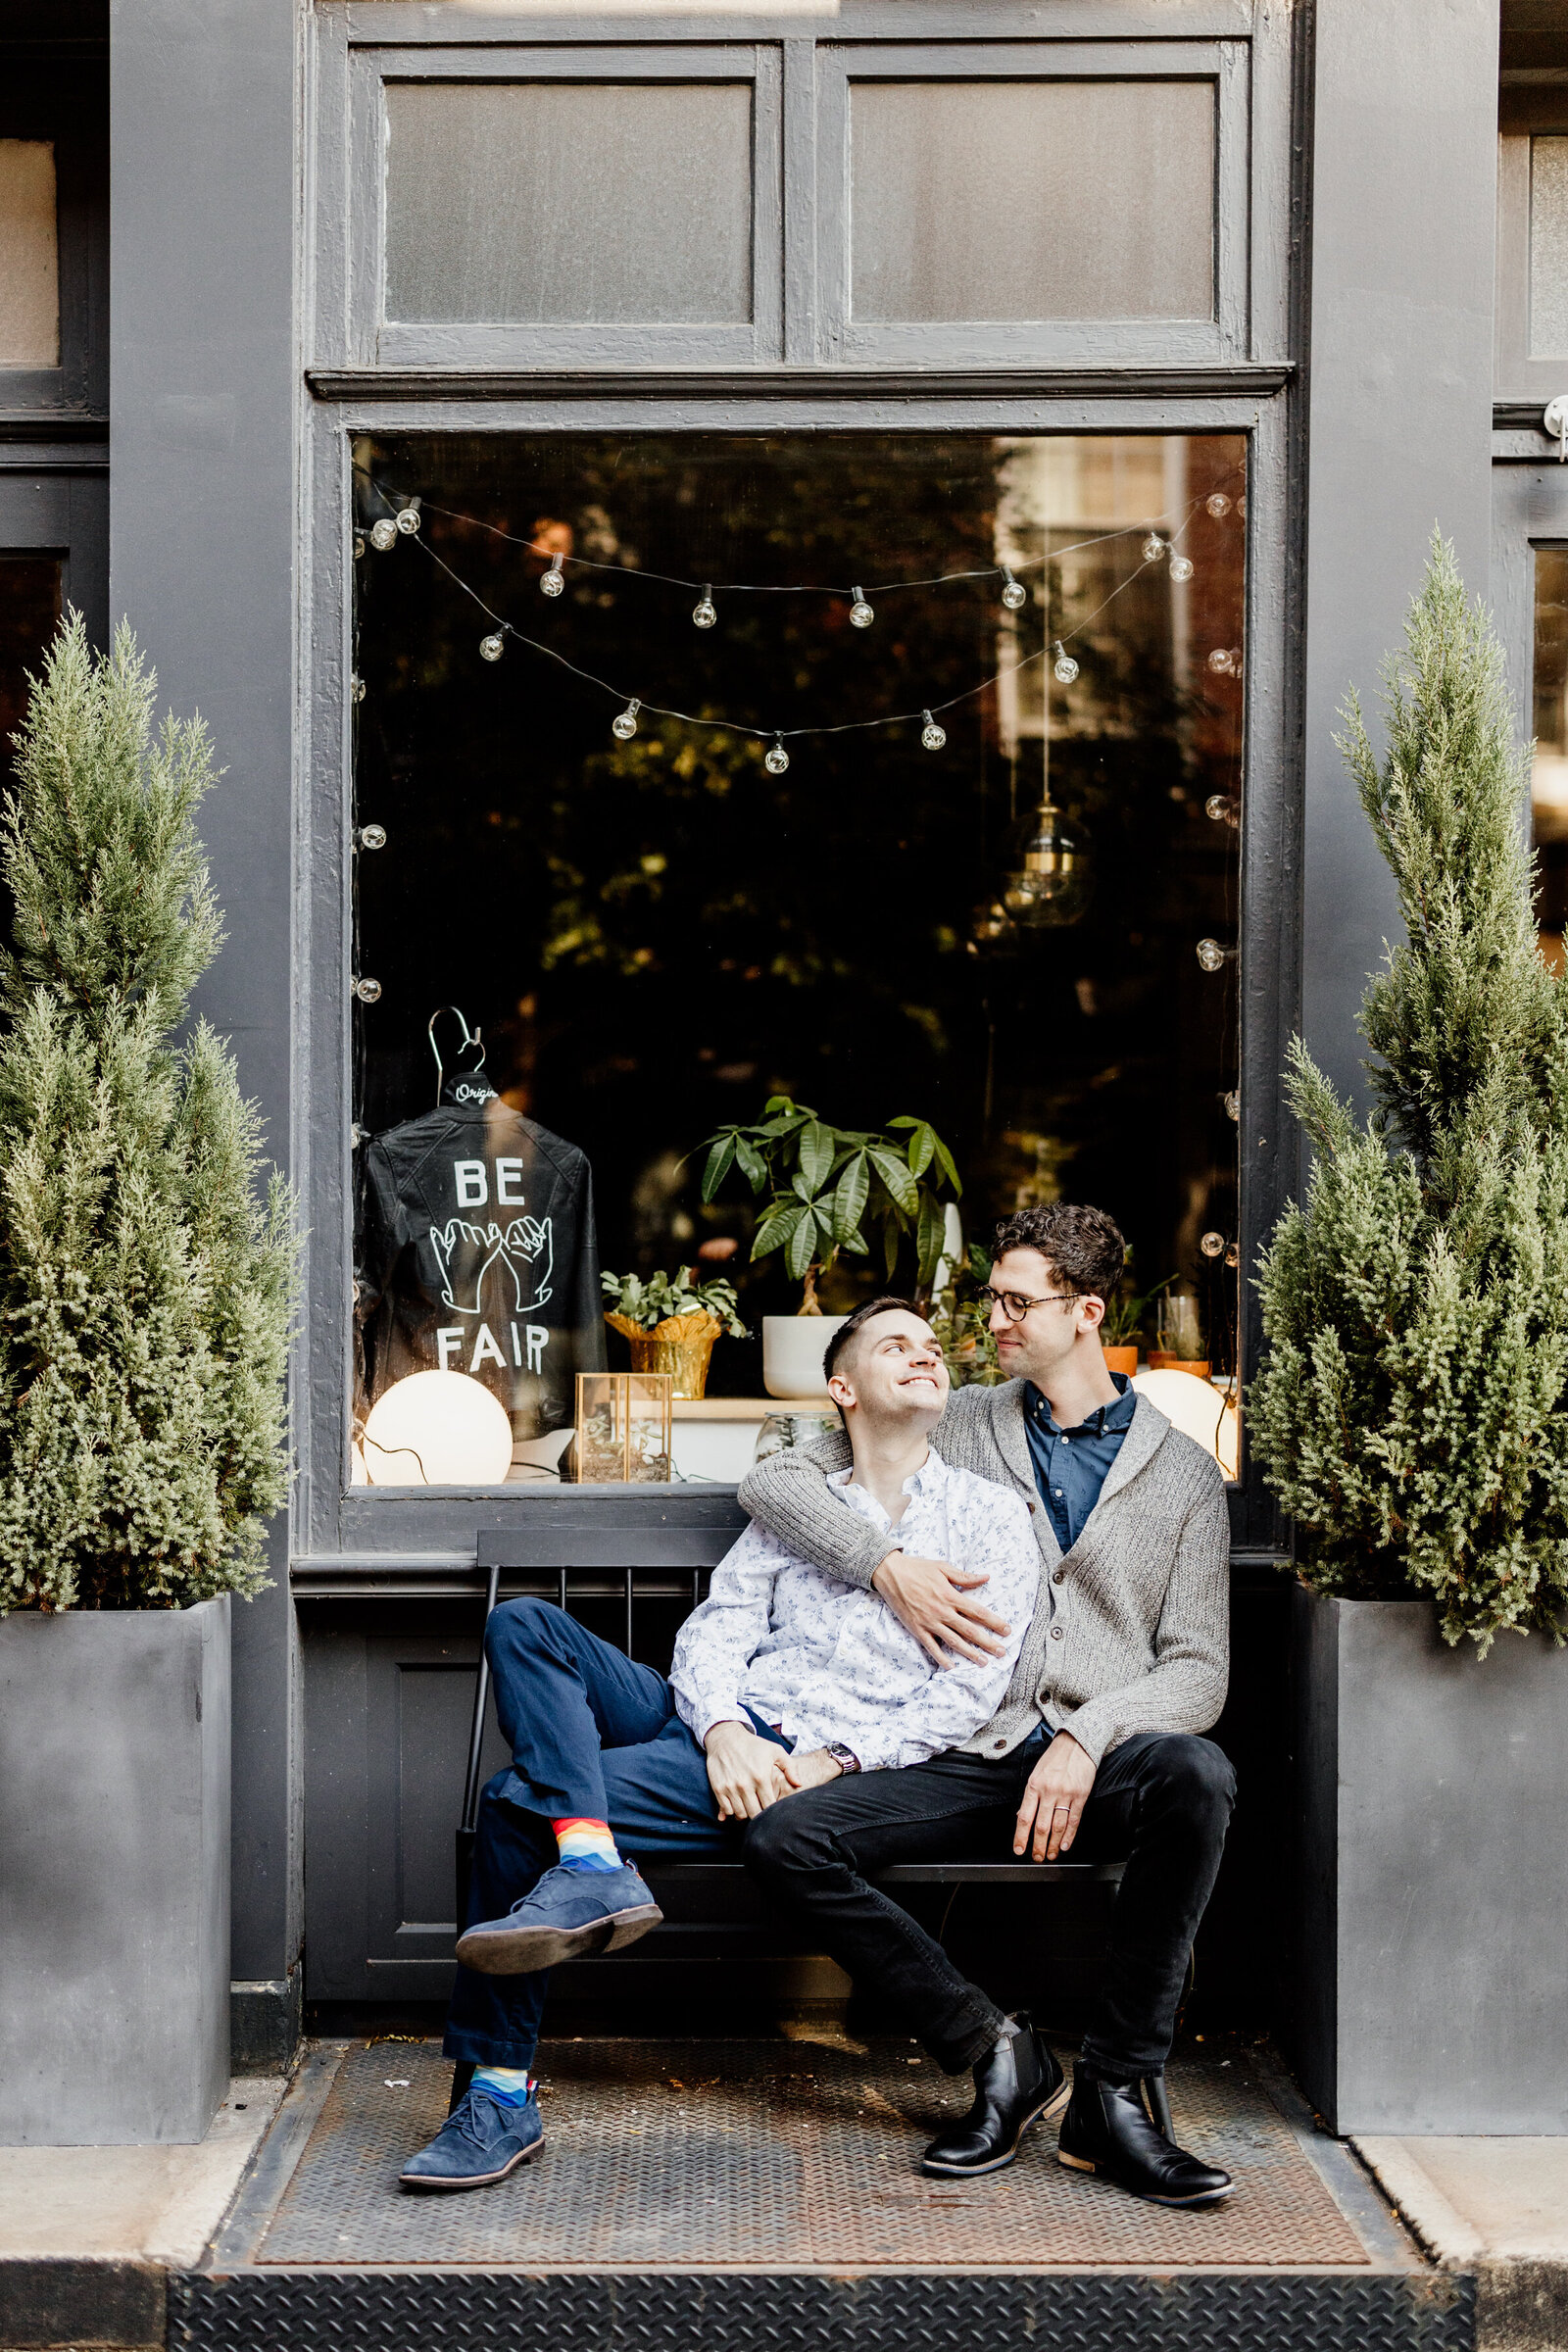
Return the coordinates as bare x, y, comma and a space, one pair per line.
586, 1844
508, 2086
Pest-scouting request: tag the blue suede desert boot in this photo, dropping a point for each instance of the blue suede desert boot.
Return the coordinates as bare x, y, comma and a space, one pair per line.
481, 2140
568, 1914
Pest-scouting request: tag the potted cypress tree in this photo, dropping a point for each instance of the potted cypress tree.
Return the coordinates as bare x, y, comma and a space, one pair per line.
145, 1300
1411, 1416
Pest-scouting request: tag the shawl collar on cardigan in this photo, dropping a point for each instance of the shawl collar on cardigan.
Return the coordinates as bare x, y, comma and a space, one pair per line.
1146, 1433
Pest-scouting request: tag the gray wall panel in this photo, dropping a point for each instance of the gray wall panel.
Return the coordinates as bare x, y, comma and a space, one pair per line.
202, 526
1403, 203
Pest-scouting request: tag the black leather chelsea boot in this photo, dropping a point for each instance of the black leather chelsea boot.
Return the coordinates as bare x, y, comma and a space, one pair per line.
1106, 2129
1016, 2083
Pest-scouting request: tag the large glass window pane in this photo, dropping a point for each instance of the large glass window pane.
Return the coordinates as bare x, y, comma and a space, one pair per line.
29, 614
655, 933
1548, 783
553, 202
1033, 200
30, 264
1548, 247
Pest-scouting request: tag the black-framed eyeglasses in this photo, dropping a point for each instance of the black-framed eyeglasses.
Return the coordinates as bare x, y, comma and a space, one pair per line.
1014, 1306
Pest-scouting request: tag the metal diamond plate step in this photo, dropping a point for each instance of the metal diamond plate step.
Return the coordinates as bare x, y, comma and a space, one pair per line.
712, 2197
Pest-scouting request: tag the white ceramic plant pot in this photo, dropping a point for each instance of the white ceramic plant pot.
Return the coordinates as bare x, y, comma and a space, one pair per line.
793, 1347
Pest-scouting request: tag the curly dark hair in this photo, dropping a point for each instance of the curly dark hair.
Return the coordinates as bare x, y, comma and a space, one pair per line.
1085, 1246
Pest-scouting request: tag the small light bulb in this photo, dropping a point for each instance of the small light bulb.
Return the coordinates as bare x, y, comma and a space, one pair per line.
359, 545
372, 837
1181, 568
931, 735
1233, 1106
705, 612
1212, 1245
1067, 668
1219, 661
777, 758
1233, 1254
861, 612
1210, 955
1222, 809
1014, 595
624, 726
552, 583
408, 519
368, 992
1154, 548
357, 688
1218, 505
383, 534
492, 647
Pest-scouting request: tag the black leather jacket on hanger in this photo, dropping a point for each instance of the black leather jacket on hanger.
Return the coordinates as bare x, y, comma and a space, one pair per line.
478, 1253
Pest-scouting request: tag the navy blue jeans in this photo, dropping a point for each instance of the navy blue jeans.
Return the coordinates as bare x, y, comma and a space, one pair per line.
590, 1733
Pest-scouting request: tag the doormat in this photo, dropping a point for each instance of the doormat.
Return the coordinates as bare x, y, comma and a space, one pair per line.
779, 2156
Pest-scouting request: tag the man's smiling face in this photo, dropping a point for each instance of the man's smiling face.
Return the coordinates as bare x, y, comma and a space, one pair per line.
893, 1371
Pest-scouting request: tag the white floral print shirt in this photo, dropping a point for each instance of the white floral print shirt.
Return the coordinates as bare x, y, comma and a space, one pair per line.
826, 1662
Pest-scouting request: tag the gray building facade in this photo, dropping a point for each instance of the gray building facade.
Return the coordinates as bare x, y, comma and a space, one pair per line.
250, 295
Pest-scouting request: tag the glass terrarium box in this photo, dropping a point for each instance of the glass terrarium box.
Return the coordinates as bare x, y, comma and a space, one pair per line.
624, 1421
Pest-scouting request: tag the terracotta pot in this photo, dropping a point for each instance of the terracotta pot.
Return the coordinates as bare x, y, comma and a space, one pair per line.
1160, 1361
1121, 1360
681, 1344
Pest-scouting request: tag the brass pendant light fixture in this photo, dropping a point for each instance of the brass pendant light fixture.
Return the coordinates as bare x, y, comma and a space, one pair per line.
1049, 879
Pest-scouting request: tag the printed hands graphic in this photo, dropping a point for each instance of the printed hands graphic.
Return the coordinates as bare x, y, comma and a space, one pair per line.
467, 1252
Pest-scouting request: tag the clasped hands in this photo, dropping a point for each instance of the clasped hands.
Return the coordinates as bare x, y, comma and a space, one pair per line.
746, 1772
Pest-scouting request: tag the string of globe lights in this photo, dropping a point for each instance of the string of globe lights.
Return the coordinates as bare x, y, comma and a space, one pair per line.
405, 524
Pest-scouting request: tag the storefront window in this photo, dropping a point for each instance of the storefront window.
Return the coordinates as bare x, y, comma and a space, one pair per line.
29, 614
1025, 934
1549, 782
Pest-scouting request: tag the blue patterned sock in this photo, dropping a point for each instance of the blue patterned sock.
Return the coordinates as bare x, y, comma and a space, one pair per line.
508, 2086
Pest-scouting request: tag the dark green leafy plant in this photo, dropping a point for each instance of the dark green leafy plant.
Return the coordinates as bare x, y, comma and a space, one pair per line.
1126, 1316
662, 1296
1412, 1413
826, 1184
962, 1322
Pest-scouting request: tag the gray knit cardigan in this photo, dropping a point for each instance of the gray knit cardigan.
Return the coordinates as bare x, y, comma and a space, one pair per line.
1130, 1632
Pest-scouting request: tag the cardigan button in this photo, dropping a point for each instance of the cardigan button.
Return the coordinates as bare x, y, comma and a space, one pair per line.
1055, 1633
1059, 1577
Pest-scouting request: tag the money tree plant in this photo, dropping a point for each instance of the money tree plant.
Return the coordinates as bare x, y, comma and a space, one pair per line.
824, 1190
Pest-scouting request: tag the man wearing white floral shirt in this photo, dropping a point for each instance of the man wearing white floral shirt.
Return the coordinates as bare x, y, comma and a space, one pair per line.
782, 1680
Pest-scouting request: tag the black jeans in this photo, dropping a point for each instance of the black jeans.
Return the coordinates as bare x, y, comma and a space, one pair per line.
1161, 1802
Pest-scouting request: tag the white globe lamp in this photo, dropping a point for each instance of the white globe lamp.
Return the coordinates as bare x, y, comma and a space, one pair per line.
1198, 1409
437, 1429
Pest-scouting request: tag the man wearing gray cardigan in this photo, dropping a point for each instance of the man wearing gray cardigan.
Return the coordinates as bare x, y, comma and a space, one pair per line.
1094, 1746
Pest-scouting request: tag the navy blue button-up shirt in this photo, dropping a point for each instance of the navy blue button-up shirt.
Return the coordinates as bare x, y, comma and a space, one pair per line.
1070, 1465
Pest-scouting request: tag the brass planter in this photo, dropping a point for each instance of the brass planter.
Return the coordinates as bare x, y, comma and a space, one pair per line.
681, 1345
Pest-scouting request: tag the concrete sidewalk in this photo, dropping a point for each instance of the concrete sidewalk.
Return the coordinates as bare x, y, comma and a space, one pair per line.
127, 2216
1498, 2208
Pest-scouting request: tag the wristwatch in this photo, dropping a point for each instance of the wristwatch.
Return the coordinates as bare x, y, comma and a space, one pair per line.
844, 1757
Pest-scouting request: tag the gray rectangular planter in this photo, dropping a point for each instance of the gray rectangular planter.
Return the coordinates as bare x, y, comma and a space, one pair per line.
1432, 1948
113, 1875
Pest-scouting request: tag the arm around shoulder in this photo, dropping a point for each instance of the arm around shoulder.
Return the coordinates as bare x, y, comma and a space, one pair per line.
789, 1494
